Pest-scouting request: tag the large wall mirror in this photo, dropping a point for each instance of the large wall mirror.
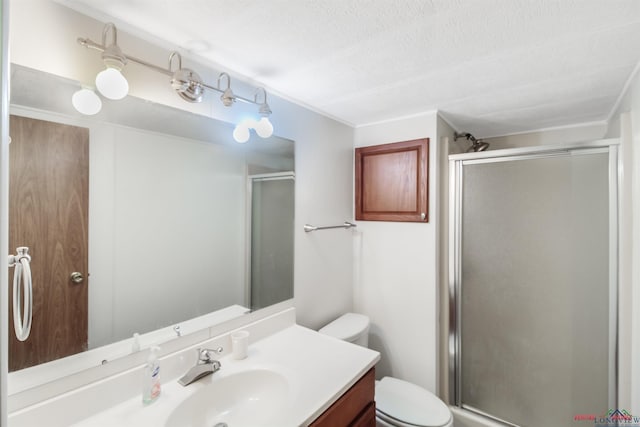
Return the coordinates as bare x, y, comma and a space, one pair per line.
169, 224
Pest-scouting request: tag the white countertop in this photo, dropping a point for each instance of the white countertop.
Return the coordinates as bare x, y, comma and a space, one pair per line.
25, 379
318, 369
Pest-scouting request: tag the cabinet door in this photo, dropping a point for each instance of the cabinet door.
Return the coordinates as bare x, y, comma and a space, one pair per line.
392, 182
367, 418
350, 409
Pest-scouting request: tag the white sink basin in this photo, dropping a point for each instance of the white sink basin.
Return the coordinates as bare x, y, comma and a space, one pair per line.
289, 379
246, 398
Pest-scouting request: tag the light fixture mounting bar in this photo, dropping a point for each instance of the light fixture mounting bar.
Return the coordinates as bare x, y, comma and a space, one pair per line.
90, 44
239, 98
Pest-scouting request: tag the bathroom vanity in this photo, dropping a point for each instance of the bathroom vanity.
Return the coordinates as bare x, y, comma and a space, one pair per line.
293, 376
355, 408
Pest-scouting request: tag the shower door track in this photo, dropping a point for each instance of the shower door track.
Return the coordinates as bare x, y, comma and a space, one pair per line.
456, 163
489, 416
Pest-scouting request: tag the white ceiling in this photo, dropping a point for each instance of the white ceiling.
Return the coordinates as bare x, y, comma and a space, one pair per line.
491, 67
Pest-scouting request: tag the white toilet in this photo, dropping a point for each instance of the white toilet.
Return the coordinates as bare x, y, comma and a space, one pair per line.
398, 403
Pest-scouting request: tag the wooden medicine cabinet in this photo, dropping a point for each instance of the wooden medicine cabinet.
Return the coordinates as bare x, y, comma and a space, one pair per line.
392, 182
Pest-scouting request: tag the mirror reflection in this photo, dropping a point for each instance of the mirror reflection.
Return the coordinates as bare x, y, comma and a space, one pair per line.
140, 218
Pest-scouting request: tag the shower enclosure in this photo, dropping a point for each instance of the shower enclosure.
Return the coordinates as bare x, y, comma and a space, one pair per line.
533, 283
271, 216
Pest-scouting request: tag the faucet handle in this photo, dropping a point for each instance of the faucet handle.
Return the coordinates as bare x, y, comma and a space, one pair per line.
204, 354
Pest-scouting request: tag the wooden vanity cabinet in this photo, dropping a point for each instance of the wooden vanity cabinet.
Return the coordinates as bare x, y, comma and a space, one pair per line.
355, 408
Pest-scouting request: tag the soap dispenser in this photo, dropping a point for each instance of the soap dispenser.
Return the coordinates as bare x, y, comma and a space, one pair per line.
151, 380
135, 345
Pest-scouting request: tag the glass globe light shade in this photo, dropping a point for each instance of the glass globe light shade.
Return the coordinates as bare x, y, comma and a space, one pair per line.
112, 84
249, 123
264, 128
241, 134
86, 102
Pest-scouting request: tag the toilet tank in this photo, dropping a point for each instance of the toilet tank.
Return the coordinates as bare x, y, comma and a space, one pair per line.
350, 327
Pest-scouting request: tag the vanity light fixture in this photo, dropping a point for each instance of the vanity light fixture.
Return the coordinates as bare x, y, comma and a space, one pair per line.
186, 82
263, 127
110, 81
86, 101
227, 97
241, 132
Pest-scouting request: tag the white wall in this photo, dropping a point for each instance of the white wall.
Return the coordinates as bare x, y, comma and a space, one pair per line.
561, 135
625, 123
44, 37
195, 191
323, 275
395, 269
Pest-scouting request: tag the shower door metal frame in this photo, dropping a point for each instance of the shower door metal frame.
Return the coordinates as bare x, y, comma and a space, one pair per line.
456, 175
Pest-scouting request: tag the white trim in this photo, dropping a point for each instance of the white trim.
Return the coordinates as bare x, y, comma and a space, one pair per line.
551, 129
247, 245
447, 121
397, 119
623, 93
4, 212
634, 182
272, 176
533, 150
625, 266
614, 284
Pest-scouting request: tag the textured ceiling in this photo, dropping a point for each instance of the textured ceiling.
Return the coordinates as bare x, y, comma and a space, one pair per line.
491, 67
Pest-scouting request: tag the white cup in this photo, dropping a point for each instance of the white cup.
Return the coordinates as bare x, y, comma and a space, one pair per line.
240, 344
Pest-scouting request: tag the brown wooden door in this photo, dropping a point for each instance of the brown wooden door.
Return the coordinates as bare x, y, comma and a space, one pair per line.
48, 212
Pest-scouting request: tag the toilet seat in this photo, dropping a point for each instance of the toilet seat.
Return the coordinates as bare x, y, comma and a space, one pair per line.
383, 420
402, 403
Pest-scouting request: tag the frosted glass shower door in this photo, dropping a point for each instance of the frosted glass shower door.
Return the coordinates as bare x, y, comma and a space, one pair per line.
534, 289
272, 221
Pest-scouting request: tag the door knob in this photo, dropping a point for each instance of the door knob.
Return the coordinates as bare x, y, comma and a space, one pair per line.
76, 277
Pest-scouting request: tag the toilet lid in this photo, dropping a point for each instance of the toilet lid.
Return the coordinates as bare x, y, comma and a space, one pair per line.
347, 327
410, 403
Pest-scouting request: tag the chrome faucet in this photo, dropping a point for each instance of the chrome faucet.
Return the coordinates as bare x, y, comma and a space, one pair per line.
205, 365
